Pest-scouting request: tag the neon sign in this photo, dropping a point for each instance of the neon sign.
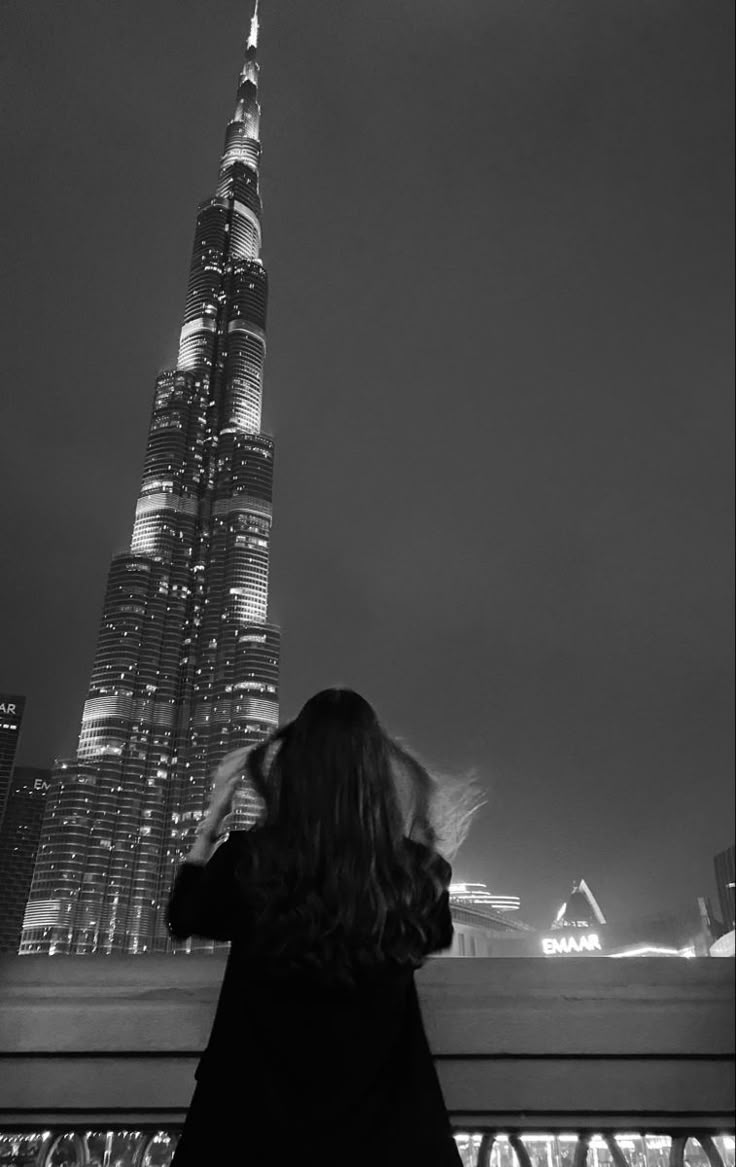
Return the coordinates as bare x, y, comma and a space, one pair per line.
569, 945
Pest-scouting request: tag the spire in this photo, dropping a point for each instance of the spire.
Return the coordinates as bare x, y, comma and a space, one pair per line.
249, 71
242, 136
253, 34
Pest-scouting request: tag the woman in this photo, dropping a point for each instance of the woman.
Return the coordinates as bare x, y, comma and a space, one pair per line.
317, 1053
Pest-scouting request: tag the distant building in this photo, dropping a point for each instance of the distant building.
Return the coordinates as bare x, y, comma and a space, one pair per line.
725, 945
477, 895
19, 835
725, 869
686, 931
581, 929
487, 934
580, 910
11, 717
482, 923
578, 928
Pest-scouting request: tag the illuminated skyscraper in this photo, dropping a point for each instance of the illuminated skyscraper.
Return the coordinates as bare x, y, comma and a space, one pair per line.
187, 661
11, 718
20, 832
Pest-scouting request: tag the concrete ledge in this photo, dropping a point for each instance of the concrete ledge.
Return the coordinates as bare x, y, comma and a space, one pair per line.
588, 1043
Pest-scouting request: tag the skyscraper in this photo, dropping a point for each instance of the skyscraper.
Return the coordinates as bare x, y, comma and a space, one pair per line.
20, 832
11, 718
187, 660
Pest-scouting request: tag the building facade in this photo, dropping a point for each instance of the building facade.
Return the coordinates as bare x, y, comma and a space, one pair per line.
187, 660
12, 707
579, 926
20, 833
725, 871
477, 895
480, 931
482, 923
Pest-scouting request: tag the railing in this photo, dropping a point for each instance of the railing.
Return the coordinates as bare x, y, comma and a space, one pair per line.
543, 1063
127, 1148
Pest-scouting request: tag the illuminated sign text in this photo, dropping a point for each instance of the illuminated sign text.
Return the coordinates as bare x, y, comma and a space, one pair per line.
566, 945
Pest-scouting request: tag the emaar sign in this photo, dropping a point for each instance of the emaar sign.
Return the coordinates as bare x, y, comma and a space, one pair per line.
12, 706
571, 945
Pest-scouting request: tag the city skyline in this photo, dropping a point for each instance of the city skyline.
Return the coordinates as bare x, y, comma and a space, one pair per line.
500, 383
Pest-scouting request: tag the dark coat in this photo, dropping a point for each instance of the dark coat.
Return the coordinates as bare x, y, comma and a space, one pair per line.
300, 1072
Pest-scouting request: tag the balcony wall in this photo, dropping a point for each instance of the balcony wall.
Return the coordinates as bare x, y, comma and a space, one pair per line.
582, 1044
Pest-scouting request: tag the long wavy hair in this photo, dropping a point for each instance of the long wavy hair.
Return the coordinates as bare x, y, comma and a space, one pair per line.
331, 882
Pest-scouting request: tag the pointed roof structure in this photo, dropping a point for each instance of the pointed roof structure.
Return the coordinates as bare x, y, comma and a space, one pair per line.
253, 34
580, 910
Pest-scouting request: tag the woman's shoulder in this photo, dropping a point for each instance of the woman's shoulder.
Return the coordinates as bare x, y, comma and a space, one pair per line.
245, 840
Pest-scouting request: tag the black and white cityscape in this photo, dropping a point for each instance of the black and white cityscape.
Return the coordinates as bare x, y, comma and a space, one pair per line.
501, 382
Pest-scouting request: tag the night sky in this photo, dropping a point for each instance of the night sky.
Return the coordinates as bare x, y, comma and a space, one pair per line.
499, 237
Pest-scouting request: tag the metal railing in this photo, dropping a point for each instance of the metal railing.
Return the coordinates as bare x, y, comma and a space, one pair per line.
122, 1147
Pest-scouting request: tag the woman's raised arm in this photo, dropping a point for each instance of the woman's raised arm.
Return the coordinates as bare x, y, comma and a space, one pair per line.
204, 900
